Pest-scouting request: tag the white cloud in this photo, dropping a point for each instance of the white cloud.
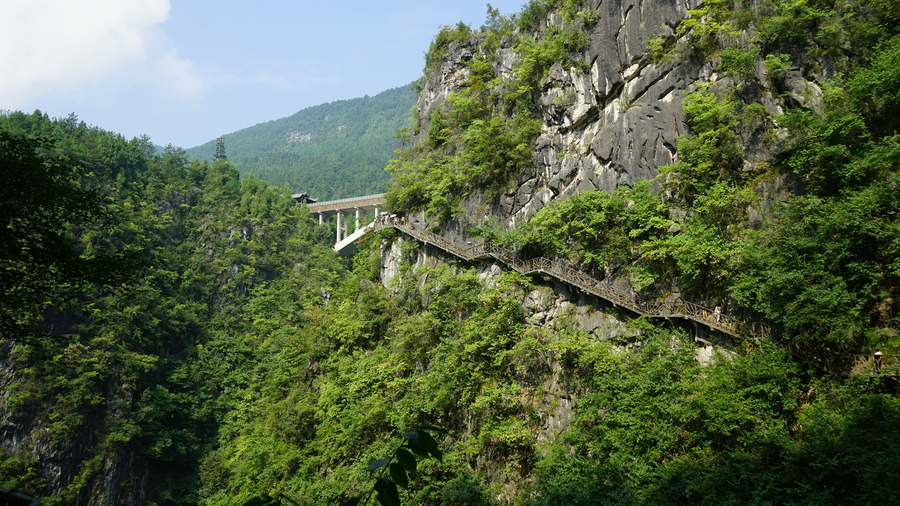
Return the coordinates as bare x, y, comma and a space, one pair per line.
57, 46
179, 75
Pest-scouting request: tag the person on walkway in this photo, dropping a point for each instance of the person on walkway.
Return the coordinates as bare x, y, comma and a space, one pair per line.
877, 360
637, 298
703, 305
718, 312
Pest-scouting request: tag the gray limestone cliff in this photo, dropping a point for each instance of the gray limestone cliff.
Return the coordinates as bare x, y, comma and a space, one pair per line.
614, 123
611, 122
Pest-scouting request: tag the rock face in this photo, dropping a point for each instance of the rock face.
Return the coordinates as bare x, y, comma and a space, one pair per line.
613, 124
609, 123
615, 119
552, 307
121, 480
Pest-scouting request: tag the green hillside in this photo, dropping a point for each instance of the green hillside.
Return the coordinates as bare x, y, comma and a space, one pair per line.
333, 150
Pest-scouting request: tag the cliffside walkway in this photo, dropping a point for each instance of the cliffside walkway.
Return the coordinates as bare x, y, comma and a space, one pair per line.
865, 364
727, 324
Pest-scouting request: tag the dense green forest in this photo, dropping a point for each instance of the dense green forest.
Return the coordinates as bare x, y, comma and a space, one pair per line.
330, 151
196, 324
152, 360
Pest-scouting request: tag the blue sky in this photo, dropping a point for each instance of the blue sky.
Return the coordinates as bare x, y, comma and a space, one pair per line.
184, 72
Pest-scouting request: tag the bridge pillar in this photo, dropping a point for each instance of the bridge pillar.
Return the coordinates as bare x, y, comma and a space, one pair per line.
356, 225
338, 238
320, 218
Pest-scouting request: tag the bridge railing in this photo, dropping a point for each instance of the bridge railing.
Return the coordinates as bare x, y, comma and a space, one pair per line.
343, 201
726, 323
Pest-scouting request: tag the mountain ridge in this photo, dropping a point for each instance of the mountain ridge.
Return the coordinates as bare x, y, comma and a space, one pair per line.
332, 150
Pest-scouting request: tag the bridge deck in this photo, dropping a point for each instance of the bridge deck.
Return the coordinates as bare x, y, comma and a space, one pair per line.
368, 202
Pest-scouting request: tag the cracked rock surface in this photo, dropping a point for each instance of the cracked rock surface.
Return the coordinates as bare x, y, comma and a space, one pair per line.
610, 125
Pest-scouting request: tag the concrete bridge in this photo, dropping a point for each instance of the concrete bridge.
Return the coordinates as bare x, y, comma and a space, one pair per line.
345, 210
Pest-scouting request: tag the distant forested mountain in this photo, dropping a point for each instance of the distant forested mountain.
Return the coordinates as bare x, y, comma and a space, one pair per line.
333, 150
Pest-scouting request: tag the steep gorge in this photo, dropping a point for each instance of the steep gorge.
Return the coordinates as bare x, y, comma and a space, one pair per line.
686, 150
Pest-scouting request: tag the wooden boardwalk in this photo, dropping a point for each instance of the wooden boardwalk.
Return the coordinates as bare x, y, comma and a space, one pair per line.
726, 323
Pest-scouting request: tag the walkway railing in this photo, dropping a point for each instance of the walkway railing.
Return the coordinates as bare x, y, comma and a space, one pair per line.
682, 309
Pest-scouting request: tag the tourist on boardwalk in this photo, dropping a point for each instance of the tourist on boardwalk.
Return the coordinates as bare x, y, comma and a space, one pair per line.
877, 360
637, 298
703, 304
718, 312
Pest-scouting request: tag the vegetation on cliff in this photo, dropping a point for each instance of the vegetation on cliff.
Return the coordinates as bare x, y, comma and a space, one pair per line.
37, 254
650, 425
822, 263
